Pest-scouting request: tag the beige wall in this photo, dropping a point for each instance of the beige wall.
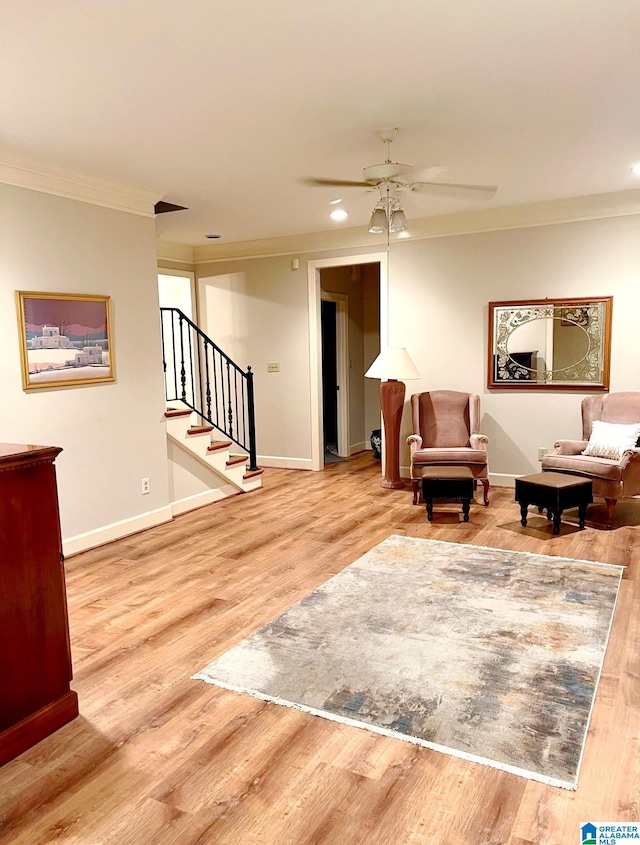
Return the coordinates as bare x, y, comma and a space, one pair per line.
438, 294
112, 434
262, 318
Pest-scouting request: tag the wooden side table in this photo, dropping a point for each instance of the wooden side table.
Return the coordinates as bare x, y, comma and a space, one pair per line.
453, 483
554, 492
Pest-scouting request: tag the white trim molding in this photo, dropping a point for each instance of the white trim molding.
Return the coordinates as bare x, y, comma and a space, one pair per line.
315, 335
176, 253
546, 213
60, 182
275, 462
115, 531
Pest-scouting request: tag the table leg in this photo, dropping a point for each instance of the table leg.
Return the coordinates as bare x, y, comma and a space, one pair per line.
556, 521
523, 513
465, 509
582, 514
429, 503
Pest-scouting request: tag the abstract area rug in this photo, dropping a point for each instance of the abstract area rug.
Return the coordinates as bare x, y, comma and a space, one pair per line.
489, 655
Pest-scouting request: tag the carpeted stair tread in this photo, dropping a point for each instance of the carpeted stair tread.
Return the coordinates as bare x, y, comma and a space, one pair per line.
216, 445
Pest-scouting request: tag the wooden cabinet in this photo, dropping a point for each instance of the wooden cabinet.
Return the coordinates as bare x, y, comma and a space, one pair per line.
35, 657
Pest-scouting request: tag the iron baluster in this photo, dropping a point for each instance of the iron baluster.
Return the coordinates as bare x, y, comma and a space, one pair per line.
219, 400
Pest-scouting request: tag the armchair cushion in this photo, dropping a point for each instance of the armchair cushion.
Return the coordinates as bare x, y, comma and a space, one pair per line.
452, 455
610, 440
578, 464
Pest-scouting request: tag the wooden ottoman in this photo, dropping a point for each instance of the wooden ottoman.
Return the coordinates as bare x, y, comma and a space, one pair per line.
447, 483
554, 492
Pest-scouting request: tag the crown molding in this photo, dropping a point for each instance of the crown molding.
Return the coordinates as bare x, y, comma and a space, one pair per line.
547, 213
61, 182
177, 253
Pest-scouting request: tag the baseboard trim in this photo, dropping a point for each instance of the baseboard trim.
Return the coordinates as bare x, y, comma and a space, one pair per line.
503, 479
115, 531
276, 462
359, 447
199, 500
496, 479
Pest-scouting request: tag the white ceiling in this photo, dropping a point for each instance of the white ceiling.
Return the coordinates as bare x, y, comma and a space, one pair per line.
222, 107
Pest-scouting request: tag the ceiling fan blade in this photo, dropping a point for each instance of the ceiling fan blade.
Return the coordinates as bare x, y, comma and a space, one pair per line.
337, 183
427, 186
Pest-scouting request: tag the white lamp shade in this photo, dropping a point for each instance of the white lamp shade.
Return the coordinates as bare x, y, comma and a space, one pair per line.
393, 363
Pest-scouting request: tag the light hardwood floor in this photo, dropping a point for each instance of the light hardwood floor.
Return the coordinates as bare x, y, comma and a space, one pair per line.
156, 758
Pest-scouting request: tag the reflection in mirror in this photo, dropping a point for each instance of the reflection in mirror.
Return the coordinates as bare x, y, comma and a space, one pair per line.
561, 344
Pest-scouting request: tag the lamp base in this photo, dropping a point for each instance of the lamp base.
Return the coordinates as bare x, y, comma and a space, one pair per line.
392, 403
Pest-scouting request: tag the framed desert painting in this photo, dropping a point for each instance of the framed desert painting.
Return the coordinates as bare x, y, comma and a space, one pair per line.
65, 339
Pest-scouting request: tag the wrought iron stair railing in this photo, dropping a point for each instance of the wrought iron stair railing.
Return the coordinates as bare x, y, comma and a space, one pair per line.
203, 377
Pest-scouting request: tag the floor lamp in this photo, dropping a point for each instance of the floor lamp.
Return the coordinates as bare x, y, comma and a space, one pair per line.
391, 365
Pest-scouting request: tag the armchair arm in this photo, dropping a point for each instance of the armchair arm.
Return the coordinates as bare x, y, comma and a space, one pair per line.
630, 456
478, 441
415, 442
569, 447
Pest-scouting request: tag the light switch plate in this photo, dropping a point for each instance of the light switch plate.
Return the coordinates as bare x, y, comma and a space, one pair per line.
273, 368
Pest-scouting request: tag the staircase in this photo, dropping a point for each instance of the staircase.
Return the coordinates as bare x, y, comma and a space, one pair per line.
210, 409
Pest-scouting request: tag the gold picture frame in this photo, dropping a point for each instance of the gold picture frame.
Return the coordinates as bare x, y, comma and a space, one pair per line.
550, 344
65, 339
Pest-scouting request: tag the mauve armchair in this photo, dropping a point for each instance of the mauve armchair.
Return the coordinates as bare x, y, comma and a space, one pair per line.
612, 479
446, 433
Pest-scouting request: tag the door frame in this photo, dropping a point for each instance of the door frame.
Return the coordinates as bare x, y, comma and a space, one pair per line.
315, 335
342, 367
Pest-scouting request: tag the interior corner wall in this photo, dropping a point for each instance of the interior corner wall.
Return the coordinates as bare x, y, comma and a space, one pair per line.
112, 434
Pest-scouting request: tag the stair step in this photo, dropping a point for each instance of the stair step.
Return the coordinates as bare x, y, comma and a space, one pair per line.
252, 473
237, 459
218, 444
200, 429
175, 412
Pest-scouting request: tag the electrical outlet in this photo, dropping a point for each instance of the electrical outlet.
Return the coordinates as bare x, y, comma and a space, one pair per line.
145, 486
542, 451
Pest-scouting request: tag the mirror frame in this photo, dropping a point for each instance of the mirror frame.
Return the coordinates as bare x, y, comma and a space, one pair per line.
524, 311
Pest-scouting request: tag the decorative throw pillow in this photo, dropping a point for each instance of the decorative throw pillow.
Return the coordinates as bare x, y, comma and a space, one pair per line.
610, 440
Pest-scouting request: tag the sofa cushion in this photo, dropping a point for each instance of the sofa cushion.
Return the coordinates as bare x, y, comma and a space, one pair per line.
610, 440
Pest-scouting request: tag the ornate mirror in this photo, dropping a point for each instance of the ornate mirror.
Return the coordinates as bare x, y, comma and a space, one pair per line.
559, 344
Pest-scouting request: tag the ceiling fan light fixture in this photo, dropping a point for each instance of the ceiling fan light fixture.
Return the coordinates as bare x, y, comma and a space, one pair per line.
378, 222
398, 222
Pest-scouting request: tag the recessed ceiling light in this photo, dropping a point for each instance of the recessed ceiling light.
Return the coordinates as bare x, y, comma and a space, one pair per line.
335, 202
339, 214
213, 237
635, 168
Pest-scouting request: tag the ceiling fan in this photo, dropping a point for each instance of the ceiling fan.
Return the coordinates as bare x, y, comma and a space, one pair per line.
391, 177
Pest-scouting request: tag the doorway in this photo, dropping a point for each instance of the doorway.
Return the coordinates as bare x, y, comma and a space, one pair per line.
349, 340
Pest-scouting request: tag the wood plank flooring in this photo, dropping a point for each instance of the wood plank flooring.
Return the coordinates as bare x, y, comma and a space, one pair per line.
158, 759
